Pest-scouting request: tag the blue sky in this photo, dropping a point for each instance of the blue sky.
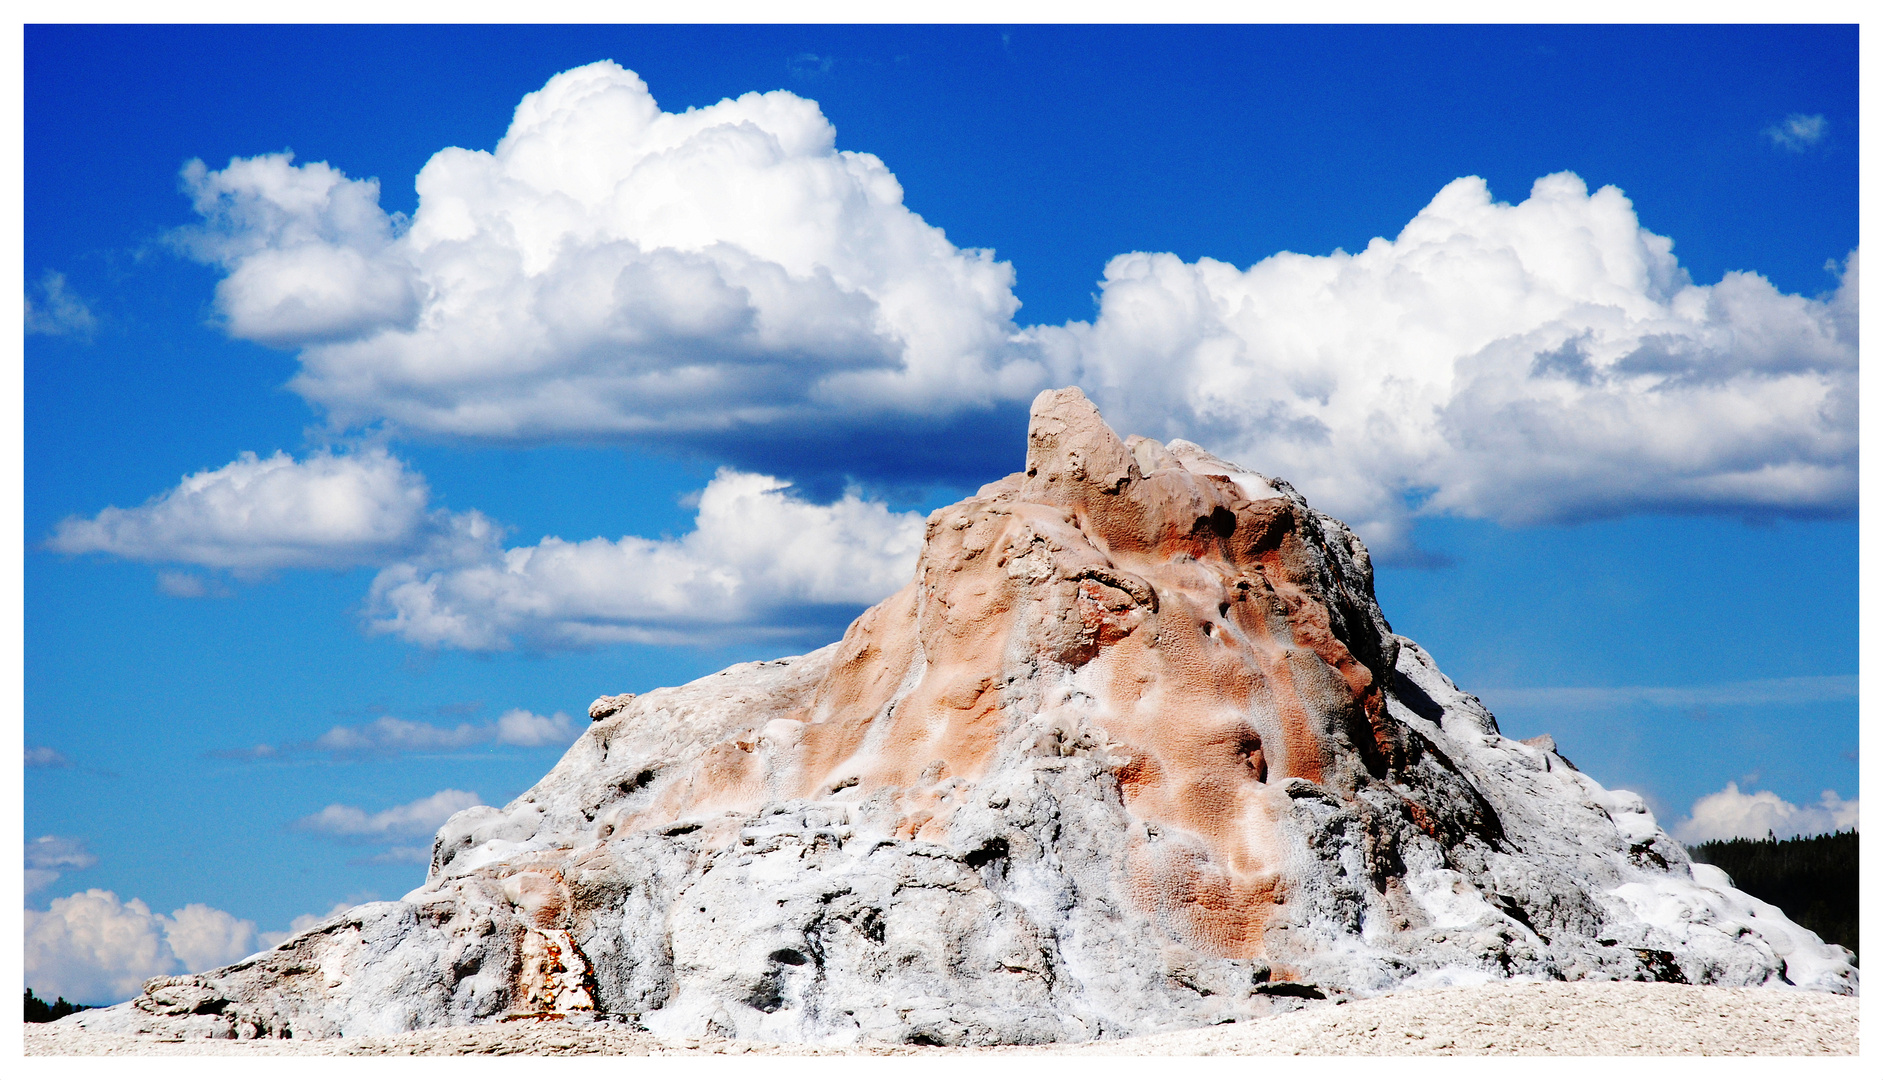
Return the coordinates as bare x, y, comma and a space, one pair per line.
1635, 531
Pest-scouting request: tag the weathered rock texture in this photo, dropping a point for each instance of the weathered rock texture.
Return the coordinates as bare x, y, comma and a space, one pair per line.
1135, 751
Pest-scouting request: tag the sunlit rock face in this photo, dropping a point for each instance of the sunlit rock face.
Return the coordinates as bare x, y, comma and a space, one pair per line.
1135, 750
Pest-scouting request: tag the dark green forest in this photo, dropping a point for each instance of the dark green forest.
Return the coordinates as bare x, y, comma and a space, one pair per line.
1812, 878
38, 1012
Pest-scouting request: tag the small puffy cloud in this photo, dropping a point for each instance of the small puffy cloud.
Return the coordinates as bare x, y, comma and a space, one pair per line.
1547, 361
59, 851
259, 514
45, 757
417, 818
49, 856
56, 311
760, 562
520, 727
756, 560
1731, 813
302, 923
611, 270
93, 948
391, 735
1797, 132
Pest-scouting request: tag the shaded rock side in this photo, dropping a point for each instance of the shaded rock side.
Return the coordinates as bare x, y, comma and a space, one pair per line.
1136, 750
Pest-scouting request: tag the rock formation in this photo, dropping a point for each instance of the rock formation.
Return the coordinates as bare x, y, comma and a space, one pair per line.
1135, 750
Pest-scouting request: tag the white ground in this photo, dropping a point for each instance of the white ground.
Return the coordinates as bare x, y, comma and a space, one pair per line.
1592, 1018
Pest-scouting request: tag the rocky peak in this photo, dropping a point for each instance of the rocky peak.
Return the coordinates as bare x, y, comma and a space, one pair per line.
1070, 446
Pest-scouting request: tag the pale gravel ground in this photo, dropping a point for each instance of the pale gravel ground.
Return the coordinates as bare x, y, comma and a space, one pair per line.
1589, 1018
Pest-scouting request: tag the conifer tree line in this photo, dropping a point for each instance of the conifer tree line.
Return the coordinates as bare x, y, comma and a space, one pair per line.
1812, 878
38, 1012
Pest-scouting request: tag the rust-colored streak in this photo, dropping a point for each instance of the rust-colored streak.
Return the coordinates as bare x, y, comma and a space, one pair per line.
1199, 902
1196, 618
1139, 773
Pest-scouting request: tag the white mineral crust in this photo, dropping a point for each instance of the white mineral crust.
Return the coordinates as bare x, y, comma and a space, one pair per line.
1136, 751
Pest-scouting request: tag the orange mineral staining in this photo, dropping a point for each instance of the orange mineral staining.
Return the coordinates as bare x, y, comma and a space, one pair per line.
1193, 614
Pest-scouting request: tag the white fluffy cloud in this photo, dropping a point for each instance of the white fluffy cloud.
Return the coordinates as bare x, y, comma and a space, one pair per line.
1731, 813
417, 818
1543, 361
613, 269
259, 514
95, 949
520, 727
50, 856
756, 558
307, 250
391, 735
203, 937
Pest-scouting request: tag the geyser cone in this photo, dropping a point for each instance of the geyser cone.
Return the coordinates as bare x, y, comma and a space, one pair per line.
1134, 750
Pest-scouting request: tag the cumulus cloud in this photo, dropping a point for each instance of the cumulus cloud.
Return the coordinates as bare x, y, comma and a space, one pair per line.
391, 735
725, 274
760, 562
203, 937
49, 856
258, 514
1731, 813
417, 818
1797, 132
520, 727
756, 561
56, 311
611, 269
1538, 362
93, 948
306, 248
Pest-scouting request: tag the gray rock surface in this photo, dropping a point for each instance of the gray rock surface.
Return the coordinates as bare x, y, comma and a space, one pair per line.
1505, 1017
1136, 751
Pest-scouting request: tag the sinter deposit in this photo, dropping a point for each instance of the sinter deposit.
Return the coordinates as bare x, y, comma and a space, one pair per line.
1134, 751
